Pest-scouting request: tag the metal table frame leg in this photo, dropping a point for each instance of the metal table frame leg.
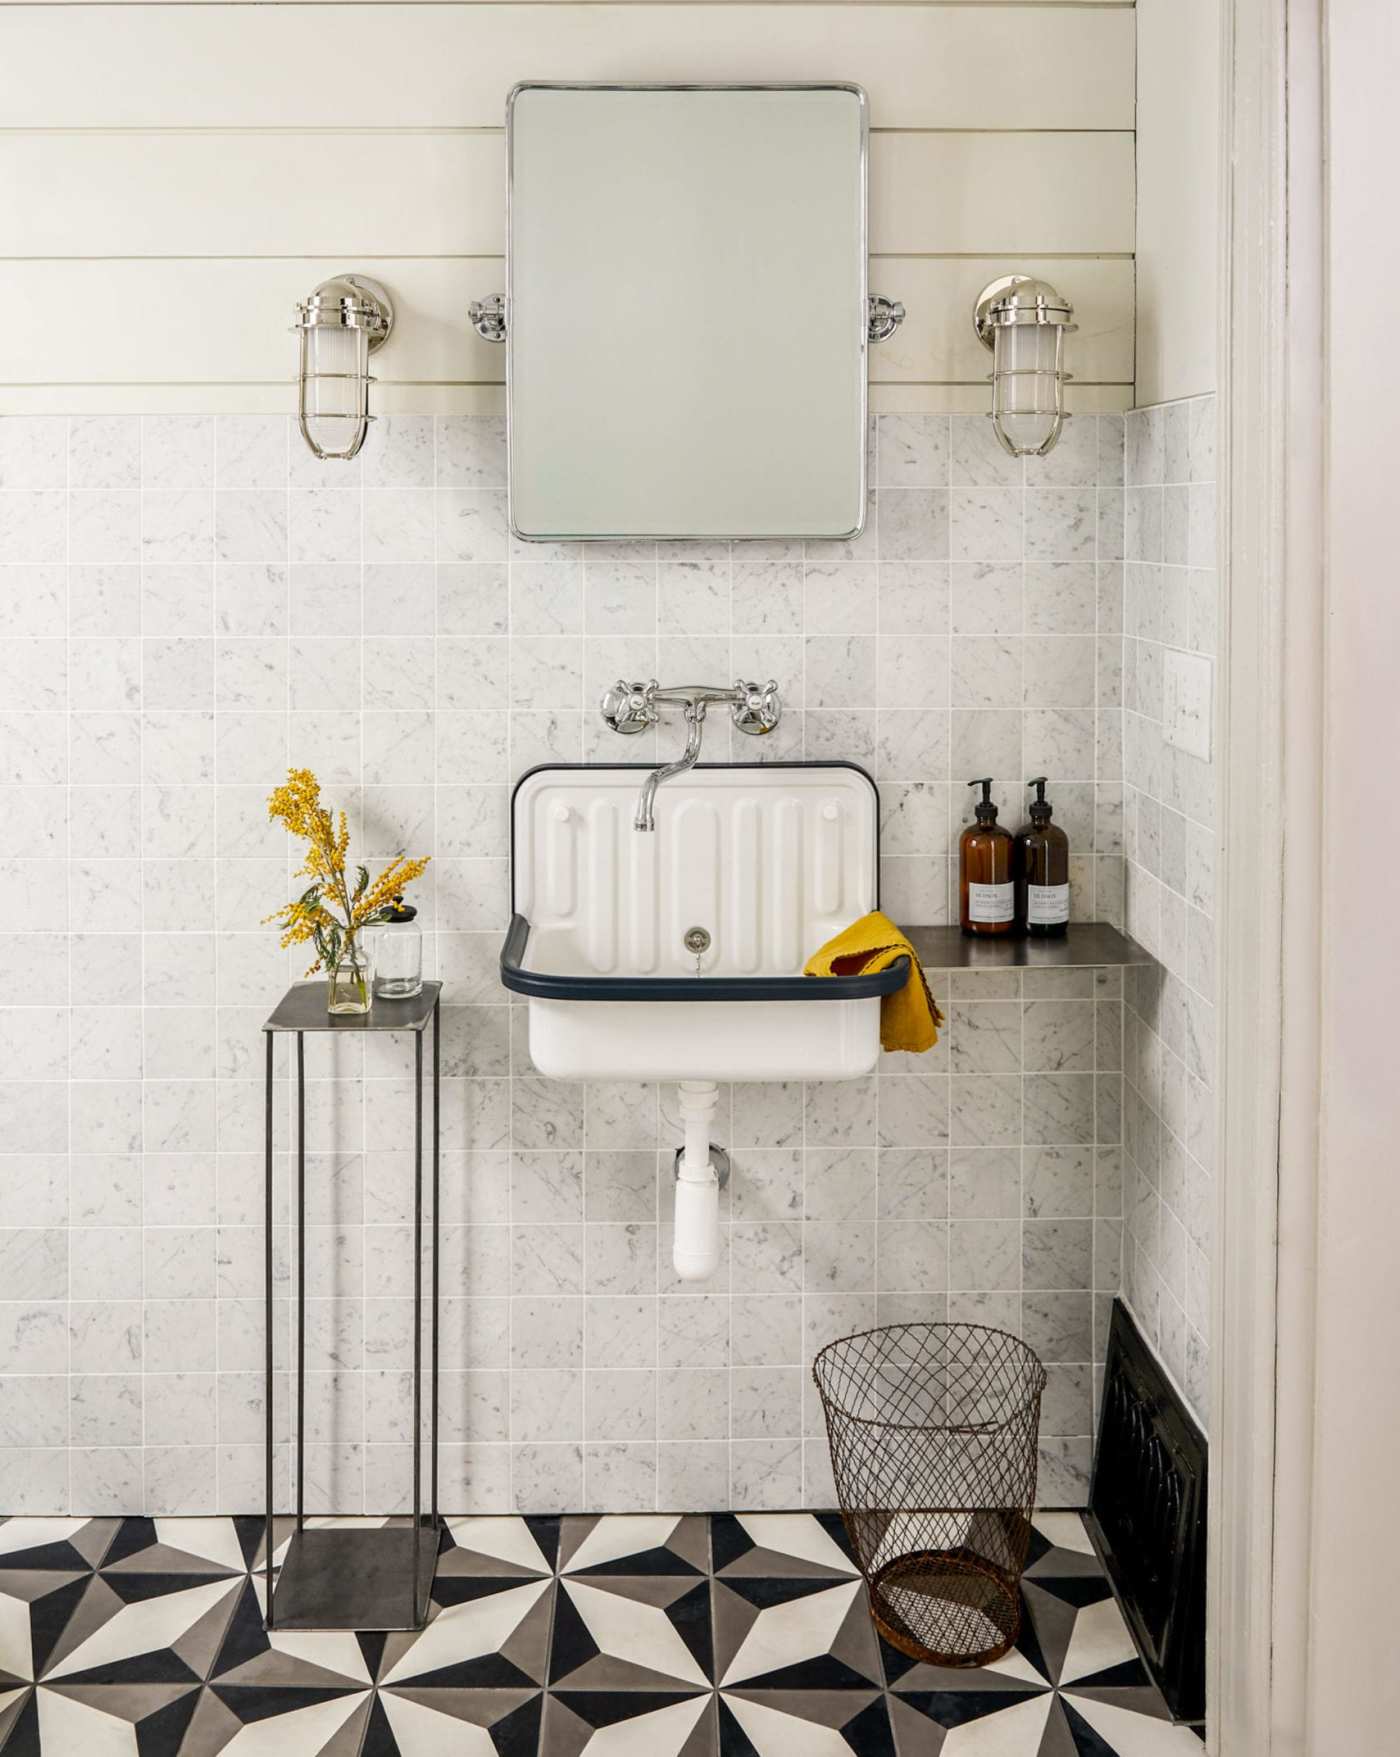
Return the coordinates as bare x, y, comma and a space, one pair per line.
268, 1258
301, 1279
437, 1190
413, 1536
432, 1526
271, 1329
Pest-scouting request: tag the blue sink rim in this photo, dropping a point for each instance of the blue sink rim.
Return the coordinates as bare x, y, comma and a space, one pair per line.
547, 985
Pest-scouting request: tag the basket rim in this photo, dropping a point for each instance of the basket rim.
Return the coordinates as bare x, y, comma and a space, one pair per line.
830, 1403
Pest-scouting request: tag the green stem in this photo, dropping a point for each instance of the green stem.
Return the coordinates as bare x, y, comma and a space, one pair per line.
328, 847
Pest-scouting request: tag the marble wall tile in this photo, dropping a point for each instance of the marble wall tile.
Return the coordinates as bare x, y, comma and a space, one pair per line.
692, 1331
989, 597
1061, 524
620, 1405
984, 1183
977, 458
767, 1258
912, 451
913, 1110
982, 1254
34, 451
1081, 458
838, 1256
985, 1110
913, 674
1057, 1253
984, 1037
840, 1183
986, 672
1170, 842
693, 1476
228, 607
913, 524
987, 524
912, 1256
765, 1473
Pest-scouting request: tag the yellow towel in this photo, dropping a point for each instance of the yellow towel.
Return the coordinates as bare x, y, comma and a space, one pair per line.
909, 1018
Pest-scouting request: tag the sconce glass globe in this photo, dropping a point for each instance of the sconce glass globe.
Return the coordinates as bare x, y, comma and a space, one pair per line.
1024, 322
339, 327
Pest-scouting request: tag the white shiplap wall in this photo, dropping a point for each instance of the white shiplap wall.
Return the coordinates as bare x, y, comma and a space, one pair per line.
174, 177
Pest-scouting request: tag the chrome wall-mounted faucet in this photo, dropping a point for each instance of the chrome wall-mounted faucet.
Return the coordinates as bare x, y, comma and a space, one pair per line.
630, 708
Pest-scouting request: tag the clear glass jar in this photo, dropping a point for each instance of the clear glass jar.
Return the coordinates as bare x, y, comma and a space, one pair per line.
350, 980
398, 954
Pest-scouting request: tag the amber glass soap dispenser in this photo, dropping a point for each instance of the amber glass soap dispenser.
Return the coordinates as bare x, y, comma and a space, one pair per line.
985, 855
1042, 871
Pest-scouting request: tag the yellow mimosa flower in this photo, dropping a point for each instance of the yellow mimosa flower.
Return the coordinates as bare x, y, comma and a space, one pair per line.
329, 913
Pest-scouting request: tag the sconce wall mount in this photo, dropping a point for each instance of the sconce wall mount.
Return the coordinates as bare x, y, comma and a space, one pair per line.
344, 321
1024, 322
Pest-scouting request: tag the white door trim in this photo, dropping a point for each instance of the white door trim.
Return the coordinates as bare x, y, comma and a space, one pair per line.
1272, 739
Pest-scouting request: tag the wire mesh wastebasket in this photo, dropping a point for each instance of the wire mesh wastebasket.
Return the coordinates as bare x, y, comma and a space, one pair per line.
933, 1431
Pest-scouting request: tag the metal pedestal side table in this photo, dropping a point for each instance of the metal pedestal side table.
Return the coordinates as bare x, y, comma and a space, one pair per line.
357, 1577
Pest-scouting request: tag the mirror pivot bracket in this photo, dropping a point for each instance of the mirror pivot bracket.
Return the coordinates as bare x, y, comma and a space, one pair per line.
488, 318
883, 318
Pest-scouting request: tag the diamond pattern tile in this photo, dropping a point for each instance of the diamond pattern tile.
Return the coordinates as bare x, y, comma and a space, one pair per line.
646, 1635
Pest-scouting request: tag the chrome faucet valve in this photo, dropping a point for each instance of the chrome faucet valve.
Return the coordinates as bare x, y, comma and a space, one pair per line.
632, 707
628, 707
757, 708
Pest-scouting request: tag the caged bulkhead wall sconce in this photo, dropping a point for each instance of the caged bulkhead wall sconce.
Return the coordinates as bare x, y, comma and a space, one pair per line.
343, 322
1024, 323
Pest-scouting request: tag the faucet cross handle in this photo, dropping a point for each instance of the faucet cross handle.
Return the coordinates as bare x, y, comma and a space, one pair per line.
628, 707
757, 708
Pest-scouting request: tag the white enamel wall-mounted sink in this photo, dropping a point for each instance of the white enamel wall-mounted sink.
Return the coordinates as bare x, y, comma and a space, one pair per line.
769, 860
677, 953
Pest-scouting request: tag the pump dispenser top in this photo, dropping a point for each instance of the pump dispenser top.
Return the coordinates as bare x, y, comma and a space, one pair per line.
986, 811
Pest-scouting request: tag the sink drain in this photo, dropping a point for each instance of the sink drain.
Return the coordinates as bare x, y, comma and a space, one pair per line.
696, 941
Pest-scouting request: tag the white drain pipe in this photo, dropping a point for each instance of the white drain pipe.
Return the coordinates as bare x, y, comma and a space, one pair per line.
696, 1249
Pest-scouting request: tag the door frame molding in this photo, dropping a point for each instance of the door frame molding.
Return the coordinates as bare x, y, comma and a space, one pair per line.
1272, 722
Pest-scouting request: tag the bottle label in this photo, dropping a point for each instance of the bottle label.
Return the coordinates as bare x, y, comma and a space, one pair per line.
991, 902
1046, 905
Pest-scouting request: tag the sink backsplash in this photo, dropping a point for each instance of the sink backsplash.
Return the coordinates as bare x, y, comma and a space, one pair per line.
188, 604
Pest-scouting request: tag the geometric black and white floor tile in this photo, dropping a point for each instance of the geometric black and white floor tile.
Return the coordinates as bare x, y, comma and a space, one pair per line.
731, 1635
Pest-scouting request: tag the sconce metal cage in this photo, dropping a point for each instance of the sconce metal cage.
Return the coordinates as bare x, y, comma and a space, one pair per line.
350, 306
1021, 319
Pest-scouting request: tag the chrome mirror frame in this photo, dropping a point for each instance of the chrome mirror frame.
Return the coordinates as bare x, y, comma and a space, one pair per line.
490, 315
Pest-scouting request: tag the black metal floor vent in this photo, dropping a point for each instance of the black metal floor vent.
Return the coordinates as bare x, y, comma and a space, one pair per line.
1147, 1516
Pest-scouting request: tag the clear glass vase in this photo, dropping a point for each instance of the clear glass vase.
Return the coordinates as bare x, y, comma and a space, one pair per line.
398, 954
350, 981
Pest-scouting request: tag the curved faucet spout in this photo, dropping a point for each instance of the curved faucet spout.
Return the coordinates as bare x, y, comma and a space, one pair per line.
630, 708
695, 731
